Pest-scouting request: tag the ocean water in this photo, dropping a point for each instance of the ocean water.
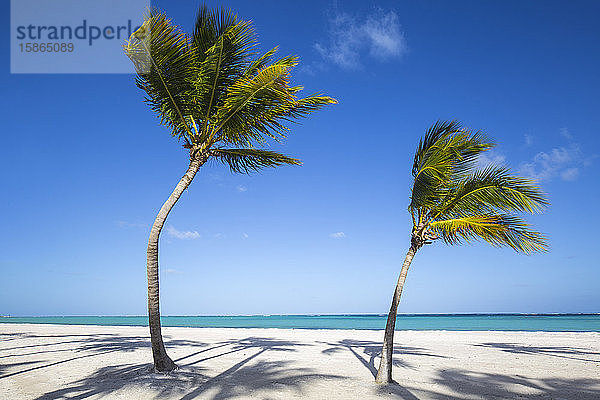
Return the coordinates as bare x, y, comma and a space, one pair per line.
450, 322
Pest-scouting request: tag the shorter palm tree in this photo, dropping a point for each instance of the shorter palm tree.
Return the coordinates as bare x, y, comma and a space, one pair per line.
454, 201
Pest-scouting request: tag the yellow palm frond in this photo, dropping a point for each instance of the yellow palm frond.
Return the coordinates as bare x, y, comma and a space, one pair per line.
498, 230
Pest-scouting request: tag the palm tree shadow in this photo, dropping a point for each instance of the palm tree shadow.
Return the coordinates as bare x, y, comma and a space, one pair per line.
77, 347
468, 385
111, 379
190, 381
398, 390
62, 339
273, 376
249, 343
460, 384
5, 366
5, 337
574, 353
372, 351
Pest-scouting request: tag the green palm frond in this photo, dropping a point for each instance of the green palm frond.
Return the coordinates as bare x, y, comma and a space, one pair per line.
258, 106
304, 106
250, 160
260, 62
446, 153
225, 47
498, 230
433, 134
212, 24
249, 99
271, 121
165, 65
488, 190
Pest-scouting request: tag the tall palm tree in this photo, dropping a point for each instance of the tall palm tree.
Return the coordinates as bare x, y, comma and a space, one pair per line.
454, 201
221, 99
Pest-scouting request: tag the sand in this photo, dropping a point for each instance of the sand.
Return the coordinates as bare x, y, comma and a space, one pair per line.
107, 362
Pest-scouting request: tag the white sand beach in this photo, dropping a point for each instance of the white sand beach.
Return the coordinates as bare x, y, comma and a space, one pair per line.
108, 362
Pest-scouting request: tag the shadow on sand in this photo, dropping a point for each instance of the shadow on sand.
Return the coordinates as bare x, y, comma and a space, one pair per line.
573, 353
372, 350
252, 374
465, 384
75, 346
468, 385
190, 380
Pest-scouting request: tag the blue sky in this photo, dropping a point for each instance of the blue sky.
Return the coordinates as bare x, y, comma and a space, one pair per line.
85, 167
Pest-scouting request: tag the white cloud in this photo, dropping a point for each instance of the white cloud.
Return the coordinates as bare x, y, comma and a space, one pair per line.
171, 231
570, 174
490, 158
241, 188
244, 235
564, 132
383, 32
564, 162
173, 271
350, 37
559, 161
219, 235
308, 70
337, 235
528, 140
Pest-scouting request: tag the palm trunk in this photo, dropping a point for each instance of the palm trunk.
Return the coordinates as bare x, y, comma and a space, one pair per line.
162, 362
384, 373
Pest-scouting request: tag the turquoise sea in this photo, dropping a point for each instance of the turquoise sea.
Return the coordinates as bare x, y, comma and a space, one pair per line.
450, 322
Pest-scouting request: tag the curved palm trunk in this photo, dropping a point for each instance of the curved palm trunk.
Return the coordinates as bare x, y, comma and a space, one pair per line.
384, 373
162, 362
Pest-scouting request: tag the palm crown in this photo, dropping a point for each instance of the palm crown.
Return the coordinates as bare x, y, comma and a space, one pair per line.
453, 200
217, 95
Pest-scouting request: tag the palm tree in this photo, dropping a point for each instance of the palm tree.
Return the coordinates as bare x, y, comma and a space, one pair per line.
221, 99
454, 201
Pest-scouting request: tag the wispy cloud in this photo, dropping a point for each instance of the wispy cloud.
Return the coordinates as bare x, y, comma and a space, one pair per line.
309, 69
171, 231
559, 161
173, 271
244, 235
241, 188
528, 140
564, 162
490, 158
337, 235
125, 224
564, 132
570, 174
350, 38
